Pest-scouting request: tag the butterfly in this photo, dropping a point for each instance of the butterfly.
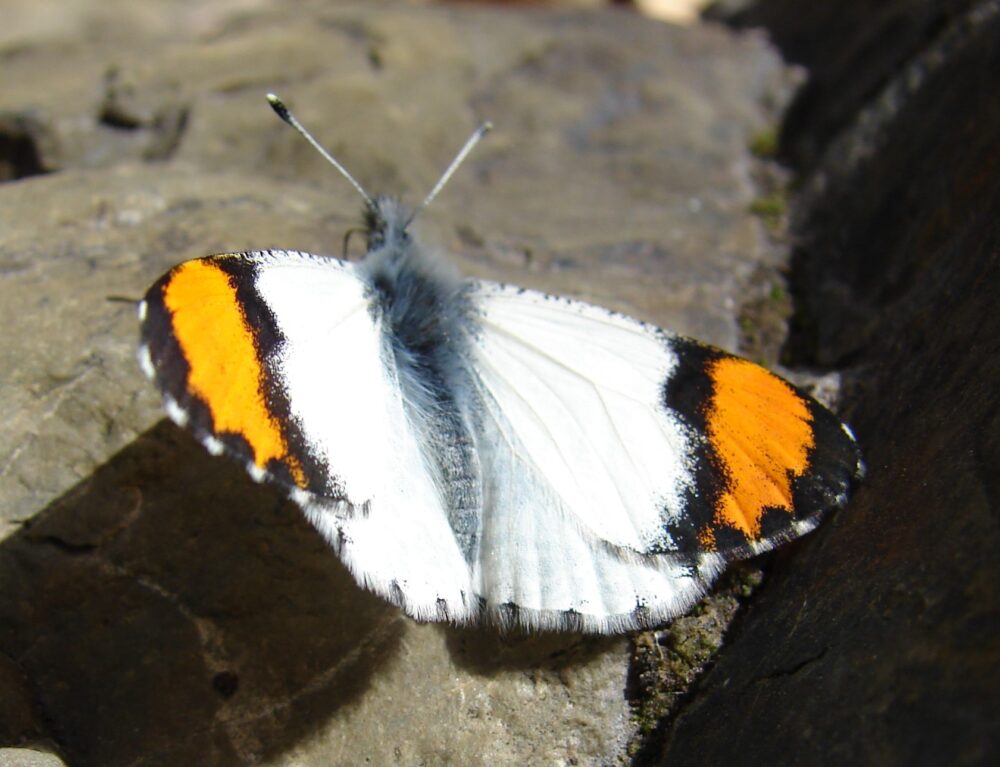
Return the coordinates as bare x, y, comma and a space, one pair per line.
475, 451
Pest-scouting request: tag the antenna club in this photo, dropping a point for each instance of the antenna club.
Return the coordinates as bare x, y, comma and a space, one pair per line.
279, 107
373, 205
282, 111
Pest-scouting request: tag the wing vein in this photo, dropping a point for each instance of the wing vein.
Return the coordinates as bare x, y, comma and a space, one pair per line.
499, 329
600, 455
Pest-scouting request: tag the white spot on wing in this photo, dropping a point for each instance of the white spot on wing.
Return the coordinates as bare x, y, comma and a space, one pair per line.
848, 431
142, 310
212, 445
146, 362
174, 411
803, 526
860, 470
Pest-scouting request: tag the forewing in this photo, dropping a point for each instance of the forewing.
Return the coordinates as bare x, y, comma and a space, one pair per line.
277, 359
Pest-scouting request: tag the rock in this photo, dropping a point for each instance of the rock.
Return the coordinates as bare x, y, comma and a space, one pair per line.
851, 50
880, 642
20, 719
26, 757
166, 610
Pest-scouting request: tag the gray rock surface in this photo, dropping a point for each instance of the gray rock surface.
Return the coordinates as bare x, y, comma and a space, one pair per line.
26, 757
161, 607
880, 644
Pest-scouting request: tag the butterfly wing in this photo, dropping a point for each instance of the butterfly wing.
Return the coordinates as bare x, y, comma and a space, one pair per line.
623, 466
276, 359
619, 467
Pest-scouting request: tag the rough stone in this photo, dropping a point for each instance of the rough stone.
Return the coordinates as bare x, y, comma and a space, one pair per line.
851, 50
26, 757
880, 645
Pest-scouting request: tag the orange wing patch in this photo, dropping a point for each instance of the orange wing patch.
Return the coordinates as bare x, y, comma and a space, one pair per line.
762, 431
225, 370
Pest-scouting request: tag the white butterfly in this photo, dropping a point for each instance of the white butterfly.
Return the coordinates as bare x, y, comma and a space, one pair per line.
475, 450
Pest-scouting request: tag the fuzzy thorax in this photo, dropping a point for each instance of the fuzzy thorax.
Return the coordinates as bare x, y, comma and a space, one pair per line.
427, 321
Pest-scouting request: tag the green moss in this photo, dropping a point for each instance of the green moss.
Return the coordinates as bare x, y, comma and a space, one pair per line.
666, 662
764, 143
771, 209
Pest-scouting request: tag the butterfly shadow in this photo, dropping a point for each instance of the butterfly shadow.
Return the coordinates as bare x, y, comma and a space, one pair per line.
167, 610
488, 650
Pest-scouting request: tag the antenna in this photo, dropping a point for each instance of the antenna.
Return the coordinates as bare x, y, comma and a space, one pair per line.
282, 111
470, 144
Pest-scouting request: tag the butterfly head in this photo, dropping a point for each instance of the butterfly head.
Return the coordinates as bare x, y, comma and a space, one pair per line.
386, 221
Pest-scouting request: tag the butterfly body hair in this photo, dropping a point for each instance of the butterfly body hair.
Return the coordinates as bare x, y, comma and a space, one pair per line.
427, 318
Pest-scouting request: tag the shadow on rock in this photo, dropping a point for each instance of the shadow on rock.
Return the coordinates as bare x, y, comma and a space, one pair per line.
485, 650
169, 611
